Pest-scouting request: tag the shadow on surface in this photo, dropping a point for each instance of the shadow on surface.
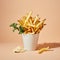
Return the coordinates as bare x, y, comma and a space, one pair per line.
51, 45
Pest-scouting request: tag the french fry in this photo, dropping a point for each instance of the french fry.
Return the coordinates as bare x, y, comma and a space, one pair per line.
41, 22
35, 19
43, 49
28, 17
30, 24
37, 31
20, 22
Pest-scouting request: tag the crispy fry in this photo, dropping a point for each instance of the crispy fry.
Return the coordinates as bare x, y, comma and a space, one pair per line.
43, 49
28, 17
21, 22
31, 24
37, 31
41, 22
35, 19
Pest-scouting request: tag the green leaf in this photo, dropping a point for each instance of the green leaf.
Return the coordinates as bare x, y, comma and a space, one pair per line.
14, 25
21, 30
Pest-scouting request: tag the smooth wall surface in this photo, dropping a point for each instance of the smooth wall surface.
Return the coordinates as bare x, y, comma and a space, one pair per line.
12, 10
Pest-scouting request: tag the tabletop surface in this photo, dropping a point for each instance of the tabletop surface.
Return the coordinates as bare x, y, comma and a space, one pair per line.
6, 53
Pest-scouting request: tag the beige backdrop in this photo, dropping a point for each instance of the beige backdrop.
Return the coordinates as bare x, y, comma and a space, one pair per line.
11, 10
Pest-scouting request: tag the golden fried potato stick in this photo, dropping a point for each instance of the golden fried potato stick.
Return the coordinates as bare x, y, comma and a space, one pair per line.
35, 19
30, 21
37, 31
43, 49
31, 25
41, 23
40, 26
30, 13
20, 22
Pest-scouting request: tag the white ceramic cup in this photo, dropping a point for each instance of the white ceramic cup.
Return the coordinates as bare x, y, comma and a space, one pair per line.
30, 41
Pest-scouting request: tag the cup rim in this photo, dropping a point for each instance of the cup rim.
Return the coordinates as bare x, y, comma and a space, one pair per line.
30, 34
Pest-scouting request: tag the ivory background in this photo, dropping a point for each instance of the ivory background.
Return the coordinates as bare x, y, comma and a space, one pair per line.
11, 10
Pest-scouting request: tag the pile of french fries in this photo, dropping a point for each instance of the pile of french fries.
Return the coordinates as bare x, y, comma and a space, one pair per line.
31, 24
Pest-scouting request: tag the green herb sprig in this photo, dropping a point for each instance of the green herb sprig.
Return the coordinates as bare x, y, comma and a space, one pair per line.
16, 27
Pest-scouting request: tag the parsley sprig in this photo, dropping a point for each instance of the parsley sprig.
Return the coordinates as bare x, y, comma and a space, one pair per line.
16, 27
